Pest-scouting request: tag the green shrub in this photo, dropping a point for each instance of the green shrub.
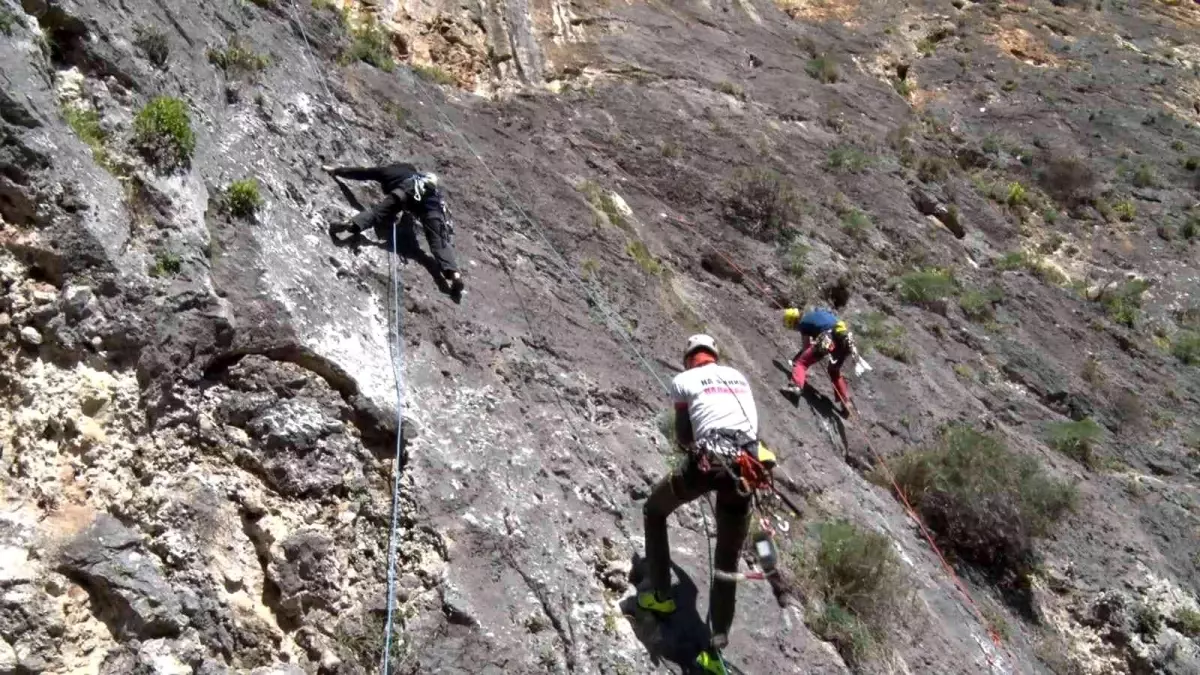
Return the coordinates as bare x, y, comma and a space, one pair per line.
985, 502
848, 159
1125, 210
822, 69
7, 19
856, 224
1076, 440
434, 74
165, 264
731, 89
243, 198
85, 122
642, 256
1046, 271
796, 258
371, 44
902, 87
1190, 228
926, 46
762, 203
857, 575
926, 286
1187, 621
1016, 194
874, 332
1192, 163
602, 200
1123, 303
1069, 179
979, 306
1147, 620
163, 133
1091, 371
1186, 347
237, 59
1143, 176
932, 170
153, 43
1014, 260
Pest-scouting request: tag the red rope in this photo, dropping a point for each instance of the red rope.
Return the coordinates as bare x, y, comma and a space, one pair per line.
958, 582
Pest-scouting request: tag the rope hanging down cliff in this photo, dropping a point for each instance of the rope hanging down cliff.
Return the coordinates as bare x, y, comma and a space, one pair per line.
397, 358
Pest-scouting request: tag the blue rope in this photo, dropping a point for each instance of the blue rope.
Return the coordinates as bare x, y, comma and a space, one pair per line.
398, 376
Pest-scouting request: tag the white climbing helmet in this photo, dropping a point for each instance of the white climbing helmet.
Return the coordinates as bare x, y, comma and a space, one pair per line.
701, 341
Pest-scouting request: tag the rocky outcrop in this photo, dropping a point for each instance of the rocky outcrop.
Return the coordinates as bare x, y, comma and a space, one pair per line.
129, 590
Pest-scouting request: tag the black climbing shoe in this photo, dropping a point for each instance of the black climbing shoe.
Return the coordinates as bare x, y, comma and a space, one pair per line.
455, 282
337, 228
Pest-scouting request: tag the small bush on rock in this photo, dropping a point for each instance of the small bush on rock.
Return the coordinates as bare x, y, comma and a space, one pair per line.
1123, 303
1069, 180
85, 122
926, 286
434, 74
1143, 177
1186, 347
237, 59
1187, 621
822, 69
796, 258
162, 132
243, 198
1125, 210
985, 502
848, 159
153, 43
761, 203
1077, 440
980, 305
857, 224
857, 575
372, 45
874, 332
166, 264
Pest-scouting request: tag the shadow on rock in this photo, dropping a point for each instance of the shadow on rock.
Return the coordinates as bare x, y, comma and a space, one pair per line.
678, 638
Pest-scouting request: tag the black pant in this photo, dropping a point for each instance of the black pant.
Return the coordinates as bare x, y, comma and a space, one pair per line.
733, 523
429, 213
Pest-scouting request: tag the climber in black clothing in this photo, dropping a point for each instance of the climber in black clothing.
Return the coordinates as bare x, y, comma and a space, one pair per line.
410, 193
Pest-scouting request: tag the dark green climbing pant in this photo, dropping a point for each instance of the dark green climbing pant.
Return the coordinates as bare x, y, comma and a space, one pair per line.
733, 521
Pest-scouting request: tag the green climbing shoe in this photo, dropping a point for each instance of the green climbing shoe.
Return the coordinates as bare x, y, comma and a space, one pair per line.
711, 662
651, 601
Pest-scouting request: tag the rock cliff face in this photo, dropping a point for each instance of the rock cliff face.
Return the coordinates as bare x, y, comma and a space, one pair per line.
199, 405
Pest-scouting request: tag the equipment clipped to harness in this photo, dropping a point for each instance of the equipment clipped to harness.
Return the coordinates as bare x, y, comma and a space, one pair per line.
752, 474
765, 549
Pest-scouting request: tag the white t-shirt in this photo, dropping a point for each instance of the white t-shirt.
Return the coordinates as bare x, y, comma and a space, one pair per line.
717, 397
